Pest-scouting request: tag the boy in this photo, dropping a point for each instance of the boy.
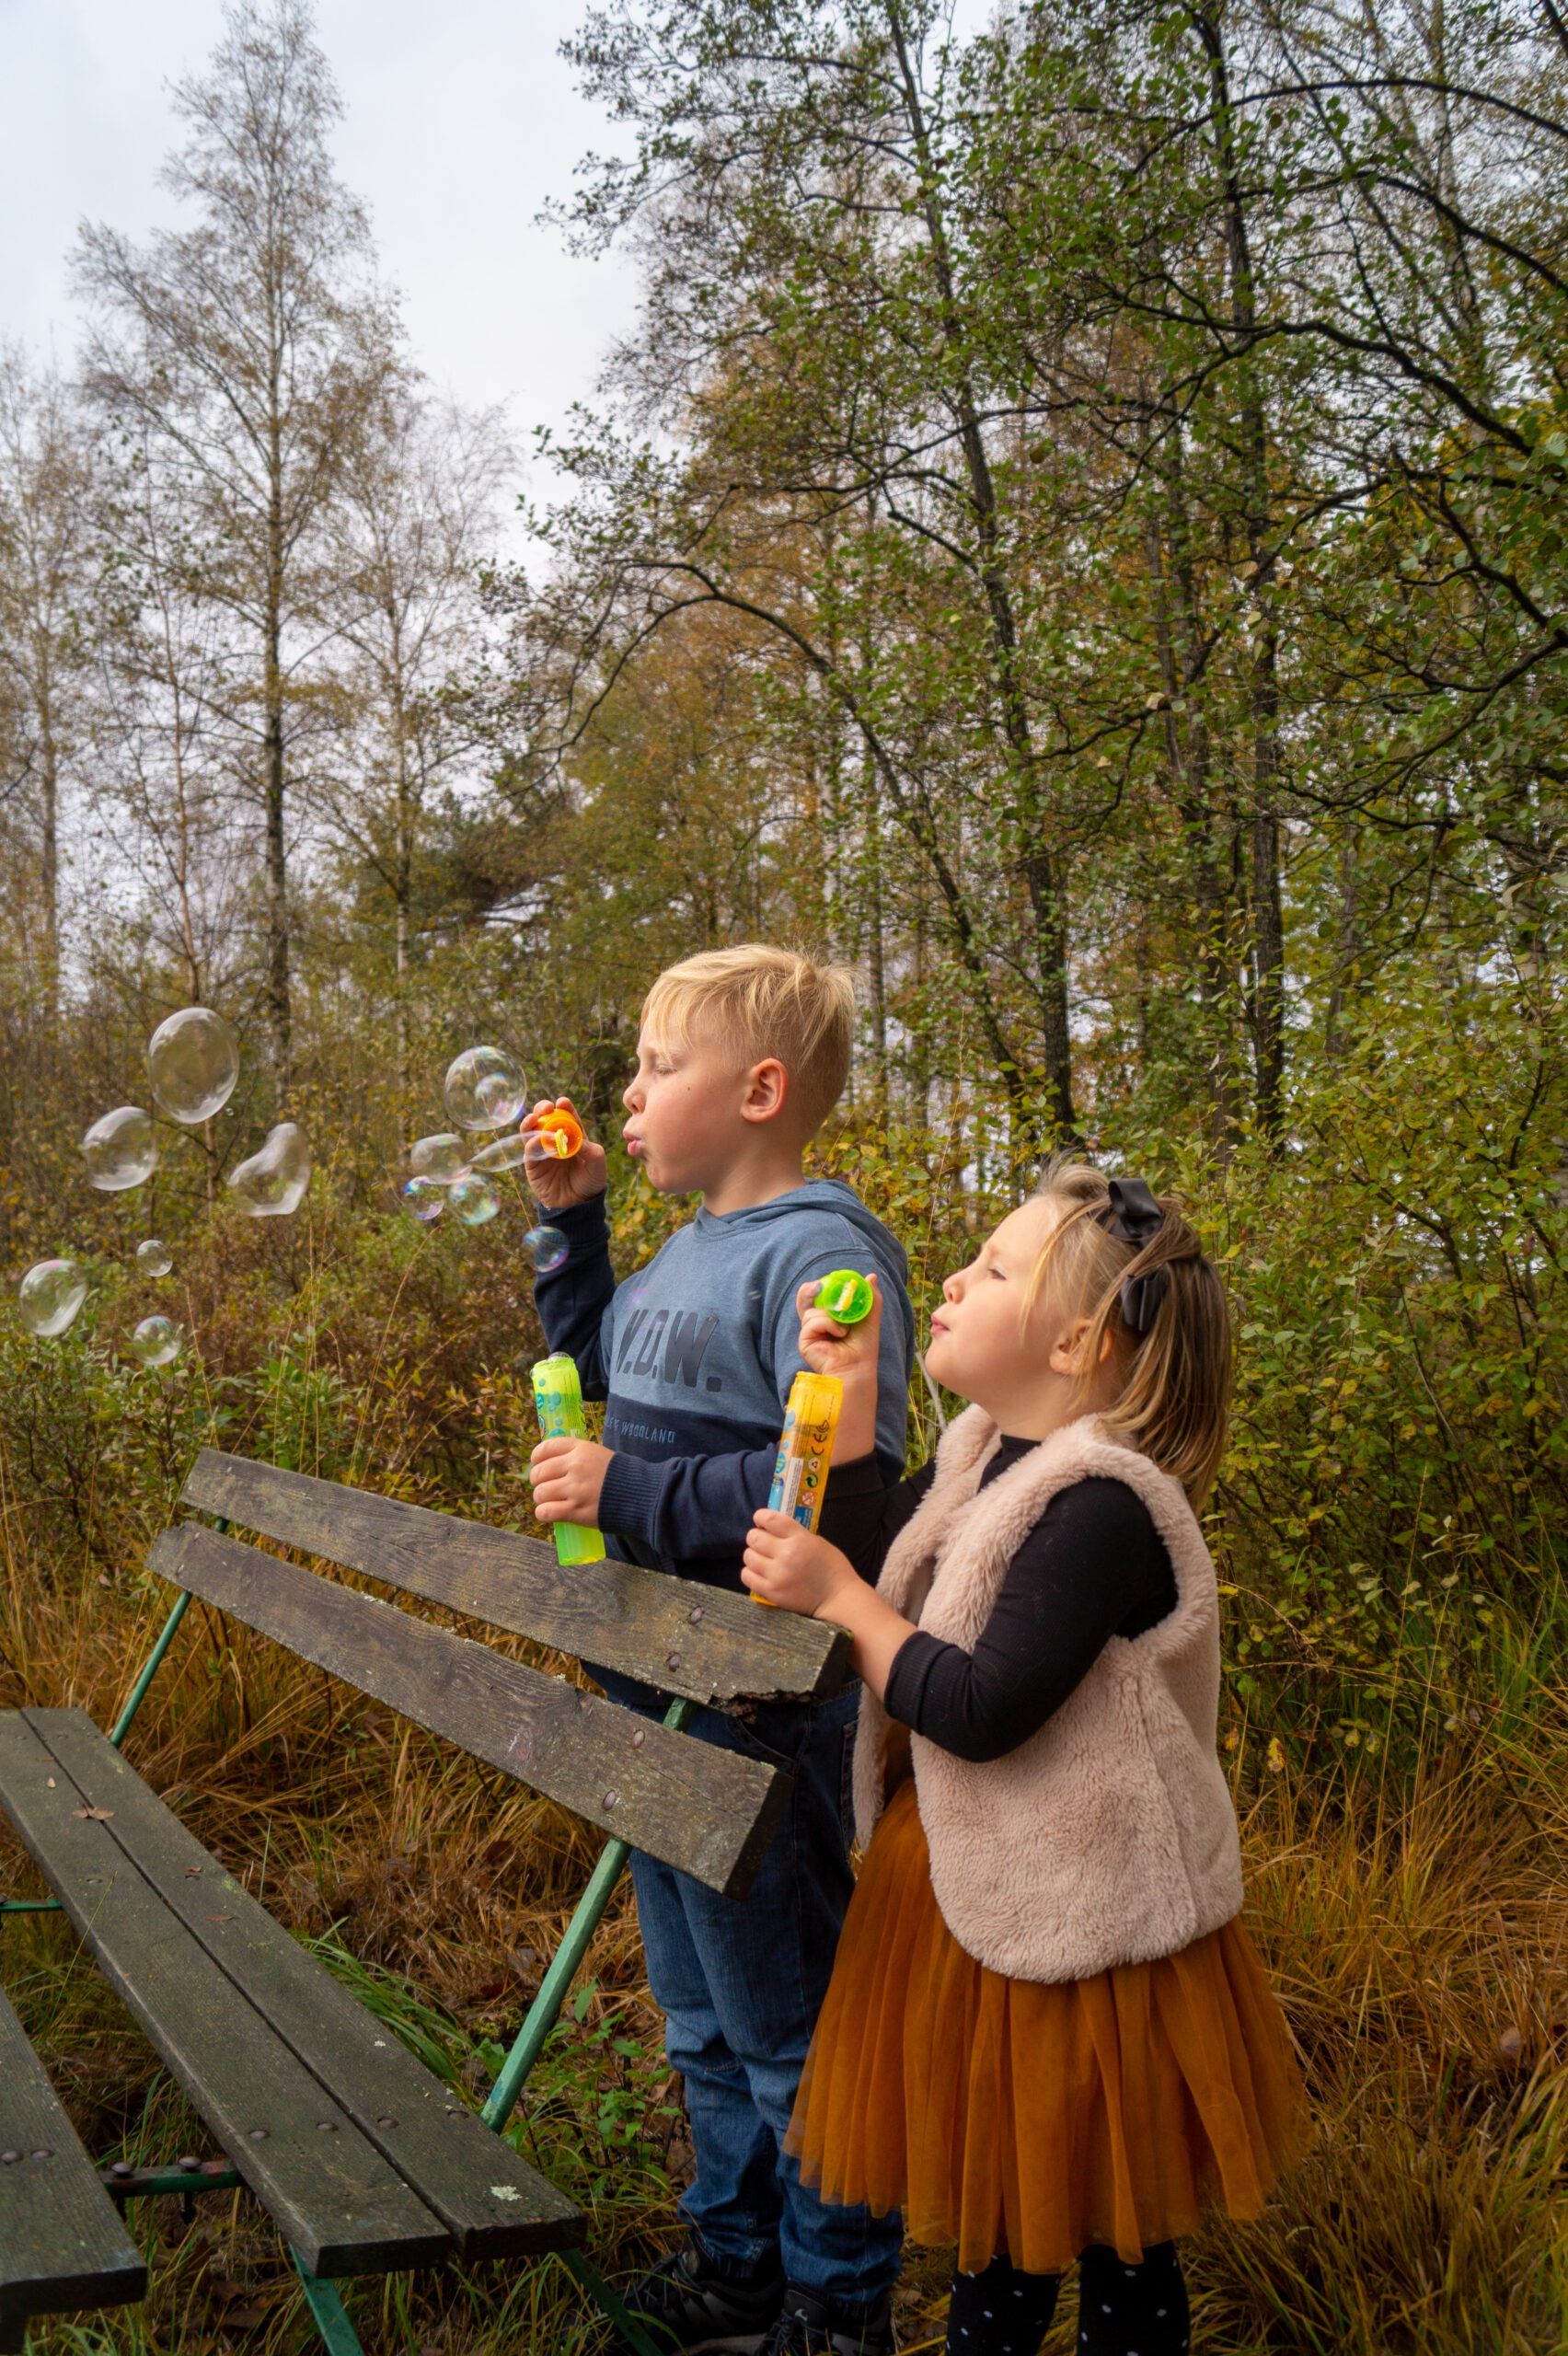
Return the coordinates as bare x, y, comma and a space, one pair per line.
742, 1054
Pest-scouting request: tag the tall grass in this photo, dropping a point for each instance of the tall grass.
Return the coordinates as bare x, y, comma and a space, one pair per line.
1401, 1780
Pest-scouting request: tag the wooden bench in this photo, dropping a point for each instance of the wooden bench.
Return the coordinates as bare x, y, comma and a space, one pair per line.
62, 2245
367, 2161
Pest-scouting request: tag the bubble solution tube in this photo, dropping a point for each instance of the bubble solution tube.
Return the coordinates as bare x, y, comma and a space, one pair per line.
805, 1450
558, 1395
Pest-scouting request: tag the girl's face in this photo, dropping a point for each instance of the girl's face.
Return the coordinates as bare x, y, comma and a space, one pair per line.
1022, 1370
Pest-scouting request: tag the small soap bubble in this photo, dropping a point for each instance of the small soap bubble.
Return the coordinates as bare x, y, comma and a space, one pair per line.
158, 1341
154, 1257
49, 1295
548, 1246
120, 1149
193, 1059
272, 1182
484, 1089
506, 1153
424, 1199
442, 1158
474, 1202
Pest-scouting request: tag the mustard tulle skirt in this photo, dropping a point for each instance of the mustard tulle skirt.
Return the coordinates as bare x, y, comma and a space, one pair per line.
1007, 2114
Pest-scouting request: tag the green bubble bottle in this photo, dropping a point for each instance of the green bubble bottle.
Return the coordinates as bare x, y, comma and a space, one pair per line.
558, 1395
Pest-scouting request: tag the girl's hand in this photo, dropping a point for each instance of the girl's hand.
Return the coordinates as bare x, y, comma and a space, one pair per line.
558, 1184
792, 1567
847, 1351
850, 1352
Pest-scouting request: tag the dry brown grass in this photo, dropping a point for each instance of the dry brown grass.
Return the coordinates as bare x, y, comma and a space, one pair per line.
1415, 1919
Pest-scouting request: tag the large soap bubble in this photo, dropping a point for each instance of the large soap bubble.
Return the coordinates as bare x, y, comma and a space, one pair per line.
272, 1182
154, 1257
193, 1059
120, 1149
158, 1341
442, 1158
506, 1153
424, 1199
548, 1246
484, 1089
50, 1294
474, 1202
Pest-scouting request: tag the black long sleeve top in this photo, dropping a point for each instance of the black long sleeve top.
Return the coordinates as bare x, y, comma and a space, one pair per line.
1093, 1567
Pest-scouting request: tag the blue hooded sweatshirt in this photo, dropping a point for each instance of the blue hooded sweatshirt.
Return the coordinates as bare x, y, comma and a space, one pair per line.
694, 1356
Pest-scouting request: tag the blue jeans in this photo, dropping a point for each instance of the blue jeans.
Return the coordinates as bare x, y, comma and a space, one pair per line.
740, 1981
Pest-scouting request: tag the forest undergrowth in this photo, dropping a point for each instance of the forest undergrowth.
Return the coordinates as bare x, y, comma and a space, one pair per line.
1392, 1723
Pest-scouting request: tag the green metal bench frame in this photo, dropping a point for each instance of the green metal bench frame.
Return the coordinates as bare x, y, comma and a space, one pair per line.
611, 1614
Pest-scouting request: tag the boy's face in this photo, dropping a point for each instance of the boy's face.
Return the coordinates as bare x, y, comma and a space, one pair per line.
692, 1110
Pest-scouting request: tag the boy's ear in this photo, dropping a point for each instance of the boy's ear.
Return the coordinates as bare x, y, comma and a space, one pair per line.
767, 1090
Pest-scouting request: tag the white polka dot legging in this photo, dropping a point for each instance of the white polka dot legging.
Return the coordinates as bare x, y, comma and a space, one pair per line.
1123, 2310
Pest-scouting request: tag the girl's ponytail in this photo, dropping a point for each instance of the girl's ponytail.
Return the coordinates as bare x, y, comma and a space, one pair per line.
1132, 1262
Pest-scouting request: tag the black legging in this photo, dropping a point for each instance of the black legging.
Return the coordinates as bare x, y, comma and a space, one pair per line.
1123, 2310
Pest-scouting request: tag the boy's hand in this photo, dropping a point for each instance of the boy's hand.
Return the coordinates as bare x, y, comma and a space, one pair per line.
568, 1477
558, 1184
786, 1565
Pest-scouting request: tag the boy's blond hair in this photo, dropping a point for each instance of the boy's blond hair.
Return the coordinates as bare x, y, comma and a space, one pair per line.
758, 1002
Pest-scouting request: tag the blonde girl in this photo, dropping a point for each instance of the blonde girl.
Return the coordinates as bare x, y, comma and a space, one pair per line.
1048, 2037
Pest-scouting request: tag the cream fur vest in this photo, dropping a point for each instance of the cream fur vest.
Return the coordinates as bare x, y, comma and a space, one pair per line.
1109, 1837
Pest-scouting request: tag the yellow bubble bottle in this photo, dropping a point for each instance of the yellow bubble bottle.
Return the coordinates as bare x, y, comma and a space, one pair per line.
805, 1450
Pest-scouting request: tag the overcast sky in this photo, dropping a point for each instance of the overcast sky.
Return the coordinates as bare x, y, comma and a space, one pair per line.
461, 120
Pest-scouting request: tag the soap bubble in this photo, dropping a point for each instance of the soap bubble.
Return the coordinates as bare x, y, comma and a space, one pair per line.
120, 1149
50, 1294
442, 1158
506, 1153
474, 1202
158, 1341
154, 1258
484, 1089
193, 1058
272, 1182
424, 1198
548, 1246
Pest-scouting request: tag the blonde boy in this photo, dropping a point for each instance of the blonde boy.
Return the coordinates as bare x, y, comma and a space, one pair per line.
742, 1054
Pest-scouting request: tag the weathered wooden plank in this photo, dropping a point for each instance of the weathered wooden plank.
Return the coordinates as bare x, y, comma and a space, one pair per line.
611, 1614
707, 1811
492, 2202
63, 2243
335, 2200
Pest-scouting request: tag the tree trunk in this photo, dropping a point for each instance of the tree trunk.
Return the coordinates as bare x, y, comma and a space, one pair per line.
279, 1011
1266, 995
1039, 866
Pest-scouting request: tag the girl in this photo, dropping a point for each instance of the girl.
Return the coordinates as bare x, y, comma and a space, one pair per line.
1048, 2036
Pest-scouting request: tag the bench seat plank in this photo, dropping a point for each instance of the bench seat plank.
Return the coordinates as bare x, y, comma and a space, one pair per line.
337, 2200
491, 2202
63, 2245
708, 1812
612, 1614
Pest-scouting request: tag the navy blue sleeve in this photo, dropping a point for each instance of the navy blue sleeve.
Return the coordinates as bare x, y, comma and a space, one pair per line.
698, 1508
573, 1299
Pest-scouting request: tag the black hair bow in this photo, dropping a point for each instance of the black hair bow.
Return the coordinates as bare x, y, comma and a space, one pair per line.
1133, 1217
